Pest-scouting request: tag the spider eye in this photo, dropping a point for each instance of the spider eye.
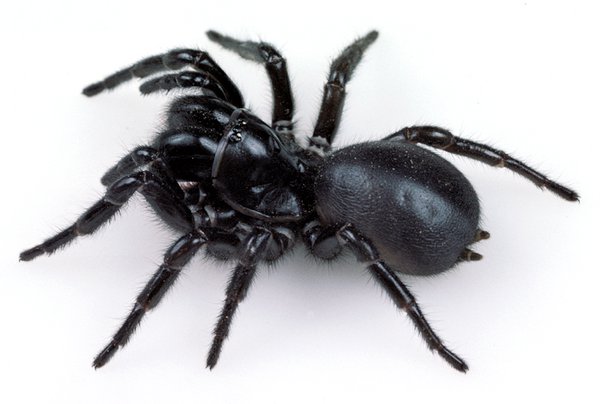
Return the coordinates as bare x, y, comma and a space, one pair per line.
235, 137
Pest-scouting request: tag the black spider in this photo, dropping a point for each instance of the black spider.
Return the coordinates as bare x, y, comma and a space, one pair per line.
246, 190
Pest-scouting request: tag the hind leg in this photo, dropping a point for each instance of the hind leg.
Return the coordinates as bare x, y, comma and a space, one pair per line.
365, 251
443, 139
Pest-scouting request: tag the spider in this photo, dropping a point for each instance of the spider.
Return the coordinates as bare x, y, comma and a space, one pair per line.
247, 191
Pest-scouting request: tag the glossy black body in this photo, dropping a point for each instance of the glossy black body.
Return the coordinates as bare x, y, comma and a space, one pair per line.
246, 191
435, 208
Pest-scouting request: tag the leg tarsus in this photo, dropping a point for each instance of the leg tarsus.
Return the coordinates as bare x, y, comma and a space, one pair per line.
50, 245
141, 69
87, 223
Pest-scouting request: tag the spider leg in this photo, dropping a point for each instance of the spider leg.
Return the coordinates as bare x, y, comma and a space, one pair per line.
160, 196
334, 94
275, 64
176, 257
365, 251
253, 249
440, 138
173, 60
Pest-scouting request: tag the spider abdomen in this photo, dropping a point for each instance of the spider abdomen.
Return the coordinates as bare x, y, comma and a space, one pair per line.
419, 211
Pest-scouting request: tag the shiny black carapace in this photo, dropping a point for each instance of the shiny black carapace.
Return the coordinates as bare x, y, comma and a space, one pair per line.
246, 190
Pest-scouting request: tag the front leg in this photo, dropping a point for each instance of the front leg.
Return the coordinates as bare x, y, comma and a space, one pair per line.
168, 205
275, 64
366, 252
175, 59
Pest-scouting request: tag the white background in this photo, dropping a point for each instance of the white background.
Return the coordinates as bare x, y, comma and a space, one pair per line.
521, 75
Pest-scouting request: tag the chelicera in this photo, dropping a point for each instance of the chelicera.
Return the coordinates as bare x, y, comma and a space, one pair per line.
247, 191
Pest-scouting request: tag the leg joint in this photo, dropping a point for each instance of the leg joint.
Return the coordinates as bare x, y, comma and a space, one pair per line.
362, 248
178, 58
430, 135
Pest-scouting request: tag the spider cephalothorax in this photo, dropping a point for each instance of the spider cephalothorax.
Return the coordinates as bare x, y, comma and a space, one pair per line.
247, 191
